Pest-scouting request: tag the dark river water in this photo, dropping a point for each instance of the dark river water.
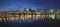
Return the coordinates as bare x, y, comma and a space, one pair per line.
32, 23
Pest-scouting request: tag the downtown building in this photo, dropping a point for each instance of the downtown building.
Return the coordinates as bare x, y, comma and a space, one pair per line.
31, 14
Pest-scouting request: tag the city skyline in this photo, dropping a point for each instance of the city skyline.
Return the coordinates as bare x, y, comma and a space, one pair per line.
13, 9
31, 14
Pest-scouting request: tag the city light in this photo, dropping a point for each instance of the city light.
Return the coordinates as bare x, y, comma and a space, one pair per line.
24, 15
53, 17
51, 10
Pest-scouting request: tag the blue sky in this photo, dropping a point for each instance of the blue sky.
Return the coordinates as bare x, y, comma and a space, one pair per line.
43, 4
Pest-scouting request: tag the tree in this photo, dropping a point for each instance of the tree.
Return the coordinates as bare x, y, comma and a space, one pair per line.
18, 10
30, 9
38, 9
24, 9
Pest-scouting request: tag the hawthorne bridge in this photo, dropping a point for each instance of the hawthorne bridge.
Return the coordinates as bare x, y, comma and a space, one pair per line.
36, 14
